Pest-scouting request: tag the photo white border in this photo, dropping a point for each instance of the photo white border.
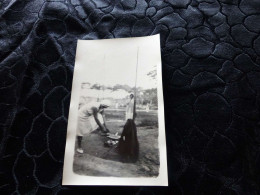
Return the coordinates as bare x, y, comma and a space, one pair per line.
69, 177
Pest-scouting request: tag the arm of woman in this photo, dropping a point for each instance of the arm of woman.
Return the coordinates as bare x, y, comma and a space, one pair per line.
95, 115
104, 119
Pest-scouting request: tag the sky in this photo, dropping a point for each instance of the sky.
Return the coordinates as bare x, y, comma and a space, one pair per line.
114, 61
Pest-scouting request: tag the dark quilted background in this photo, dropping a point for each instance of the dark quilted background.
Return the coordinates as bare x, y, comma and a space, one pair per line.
211, 77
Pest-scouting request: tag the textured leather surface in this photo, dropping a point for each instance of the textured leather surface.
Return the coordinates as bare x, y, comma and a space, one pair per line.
211, 74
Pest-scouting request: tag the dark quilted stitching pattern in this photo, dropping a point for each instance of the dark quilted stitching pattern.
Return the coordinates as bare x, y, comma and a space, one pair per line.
211, 75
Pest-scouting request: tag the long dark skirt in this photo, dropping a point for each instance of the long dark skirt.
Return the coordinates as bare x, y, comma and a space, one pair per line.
128, 143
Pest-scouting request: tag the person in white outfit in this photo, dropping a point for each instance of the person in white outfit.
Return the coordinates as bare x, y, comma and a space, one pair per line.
129, 114
90, 118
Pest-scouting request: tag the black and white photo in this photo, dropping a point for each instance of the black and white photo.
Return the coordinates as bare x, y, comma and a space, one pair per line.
116, 132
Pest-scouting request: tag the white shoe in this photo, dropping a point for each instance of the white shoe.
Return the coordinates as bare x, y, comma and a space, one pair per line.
80, 150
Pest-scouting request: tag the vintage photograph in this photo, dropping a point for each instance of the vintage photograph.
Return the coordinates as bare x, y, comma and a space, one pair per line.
116, 123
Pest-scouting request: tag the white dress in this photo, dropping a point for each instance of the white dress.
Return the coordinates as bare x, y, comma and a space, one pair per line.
129, 114
86, 122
